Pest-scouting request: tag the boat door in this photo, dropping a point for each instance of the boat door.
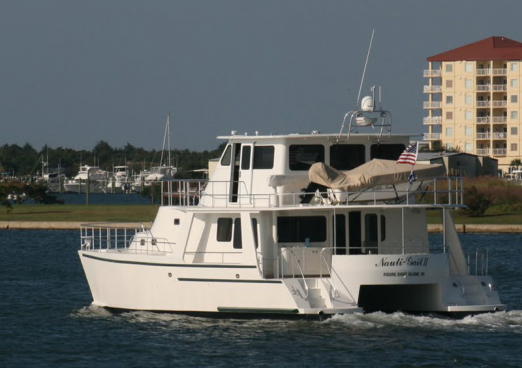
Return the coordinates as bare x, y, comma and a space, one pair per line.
241, 175
245, 173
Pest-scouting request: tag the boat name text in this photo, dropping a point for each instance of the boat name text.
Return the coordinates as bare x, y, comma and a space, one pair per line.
403, 261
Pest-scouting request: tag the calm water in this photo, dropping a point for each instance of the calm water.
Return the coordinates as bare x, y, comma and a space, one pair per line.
46, 320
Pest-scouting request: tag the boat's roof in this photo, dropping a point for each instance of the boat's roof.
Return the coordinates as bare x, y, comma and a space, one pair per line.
312, 136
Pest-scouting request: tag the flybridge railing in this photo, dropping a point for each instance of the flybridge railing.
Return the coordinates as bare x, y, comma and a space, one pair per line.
214, 194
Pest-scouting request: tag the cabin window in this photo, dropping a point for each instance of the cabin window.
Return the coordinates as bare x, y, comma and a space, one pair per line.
371, 233
298, 229
176, 221
383, 228
386, 151
254, 231
263, 157
245, 158
224, 229
347, 156
238, 244
303, 156
225, 160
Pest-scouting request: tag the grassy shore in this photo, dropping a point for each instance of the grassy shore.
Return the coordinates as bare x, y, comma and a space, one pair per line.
147, 213
70, 212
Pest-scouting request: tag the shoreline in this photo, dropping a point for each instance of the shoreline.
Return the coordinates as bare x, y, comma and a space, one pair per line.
75, 225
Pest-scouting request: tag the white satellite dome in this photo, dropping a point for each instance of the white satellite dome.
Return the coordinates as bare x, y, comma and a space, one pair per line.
367, 103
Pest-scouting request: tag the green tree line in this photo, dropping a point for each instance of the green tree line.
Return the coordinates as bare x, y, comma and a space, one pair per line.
25, 160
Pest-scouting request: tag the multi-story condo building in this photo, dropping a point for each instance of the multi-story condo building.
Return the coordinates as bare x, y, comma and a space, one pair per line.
474, 99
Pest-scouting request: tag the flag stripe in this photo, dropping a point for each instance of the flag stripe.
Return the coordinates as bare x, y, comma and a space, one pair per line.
409, 156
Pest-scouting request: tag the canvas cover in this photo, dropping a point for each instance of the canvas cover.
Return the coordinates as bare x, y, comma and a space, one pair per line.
373, 173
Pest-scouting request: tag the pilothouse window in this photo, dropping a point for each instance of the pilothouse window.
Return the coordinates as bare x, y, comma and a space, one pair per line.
224, 229
347, 156
225, 160
386, 151
303, 156
263, 157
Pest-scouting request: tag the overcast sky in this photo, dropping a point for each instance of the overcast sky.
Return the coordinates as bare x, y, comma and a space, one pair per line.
73, 73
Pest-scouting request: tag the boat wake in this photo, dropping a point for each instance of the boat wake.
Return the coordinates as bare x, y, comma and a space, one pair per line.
501, 321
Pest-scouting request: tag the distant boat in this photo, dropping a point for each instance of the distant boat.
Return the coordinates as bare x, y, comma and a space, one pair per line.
165, 171
120, 181
97, 180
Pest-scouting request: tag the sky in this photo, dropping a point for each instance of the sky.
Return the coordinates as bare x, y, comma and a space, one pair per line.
76, 72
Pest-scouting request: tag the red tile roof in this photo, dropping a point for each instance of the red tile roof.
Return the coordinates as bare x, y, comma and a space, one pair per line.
492, 48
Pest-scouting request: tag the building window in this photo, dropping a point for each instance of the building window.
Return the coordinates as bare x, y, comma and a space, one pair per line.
263, 157
224, 229
469, 147
449, 146
468, 115
514, 130
449, 83
514, 83
302, 156
449, 68
514, 67
514, 147
449, 132
449, 115
468, 67
468, 83
468, 131
468, 100
449, 100
514, 115
514, 98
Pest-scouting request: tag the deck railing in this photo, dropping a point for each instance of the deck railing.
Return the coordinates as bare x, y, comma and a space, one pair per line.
216, 194
107, 237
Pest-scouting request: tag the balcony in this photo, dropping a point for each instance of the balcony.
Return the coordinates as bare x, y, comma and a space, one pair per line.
499, 87
431, 136
483, 136
432, 120
499, 119
432, 89
432, 73
499, 151
501, 103
499, 135
484, 87
483, 120
496, 71
483, 151
483, 103
432, 104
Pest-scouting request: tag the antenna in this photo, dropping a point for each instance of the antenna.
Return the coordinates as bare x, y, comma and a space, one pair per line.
365, 65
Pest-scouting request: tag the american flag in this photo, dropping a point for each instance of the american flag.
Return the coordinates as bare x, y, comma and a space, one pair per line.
409, 156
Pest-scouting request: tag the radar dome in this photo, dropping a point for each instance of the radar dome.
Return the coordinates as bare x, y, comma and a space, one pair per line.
367, 103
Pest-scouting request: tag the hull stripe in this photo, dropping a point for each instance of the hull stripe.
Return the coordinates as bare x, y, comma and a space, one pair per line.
166, 264
232, 280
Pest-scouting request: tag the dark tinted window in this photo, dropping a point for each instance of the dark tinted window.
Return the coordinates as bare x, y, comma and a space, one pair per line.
224, 229
245, 158
383, 228
254, 230
347, 156
297, 229
386, 151
302, 156
238, 242
225, 160
264, 157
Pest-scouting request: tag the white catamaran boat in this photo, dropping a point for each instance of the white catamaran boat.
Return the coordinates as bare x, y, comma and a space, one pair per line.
303, 225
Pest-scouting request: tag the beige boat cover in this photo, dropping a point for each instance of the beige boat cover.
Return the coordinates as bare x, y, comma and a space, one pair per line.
373, 173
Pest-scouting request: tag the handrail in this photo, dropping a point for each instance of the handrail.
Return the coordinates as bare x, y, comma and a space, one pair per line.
282, 275
334, 288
